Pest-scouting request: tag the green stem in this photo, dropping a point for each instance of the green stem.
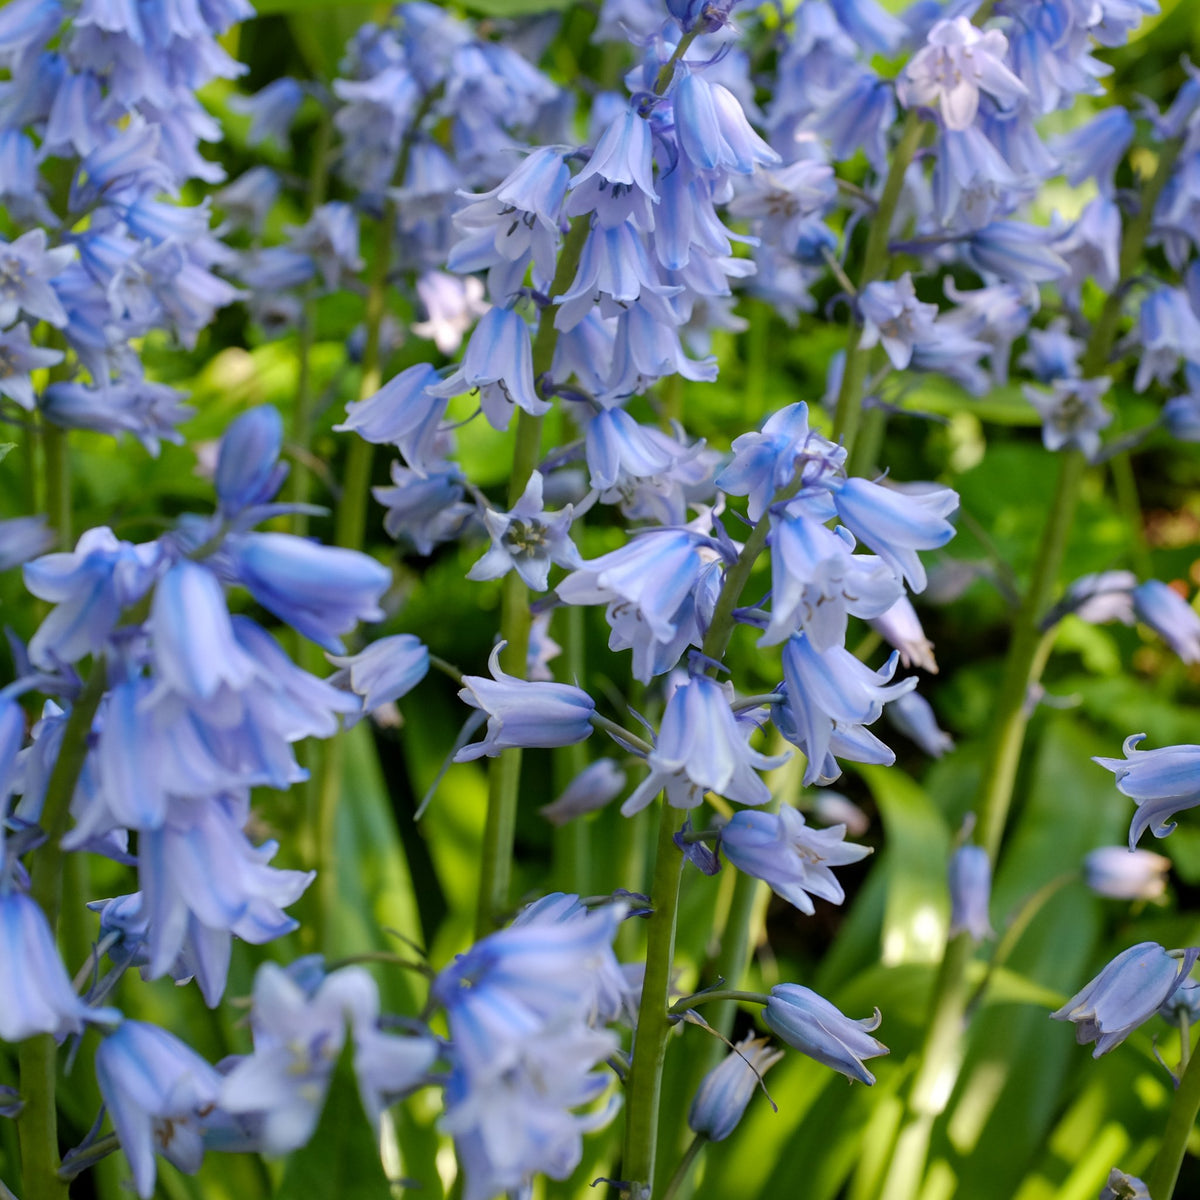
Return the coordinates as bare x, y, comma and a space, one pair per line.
58, 482
1028, 651
572, 864
643, 1088
720, 630
504, 775
715, 996
300, 483
1180, 1120
351, 520
1033, 905
849, 404
685, 1165
1125, 486
37, 1128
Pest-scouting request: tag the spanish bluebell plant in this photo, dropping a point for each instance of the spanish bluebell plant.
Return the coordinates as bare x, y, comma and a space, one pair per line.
728, 338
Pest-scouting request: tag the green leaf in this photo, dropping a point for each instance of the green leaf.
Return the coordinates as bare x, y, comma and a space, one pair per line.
6, 448
916, 912
341, 1159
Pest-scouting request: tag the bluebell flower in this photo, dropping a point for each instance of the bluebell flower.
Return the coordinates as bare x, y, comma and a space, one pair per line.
894, 317
970, 880
523, 713
1072, 413
702, 747
1183, 1004
1170, 616
1015, 251
199, 865
518, 222
404, 413
812, 1025
791, 856
1181, 418
598, 784
515, 1114
914, 717
959, 61
158, 1092
248, 199
276, 268
330, 239
132, 159
1100, 598
614, 271
271, 110
858, 116
90, 588
452, 305
617, 182
646, 348
712, 129
1091, 249
499, 362
896, 522
320, 591
767, 462
386, 670
195, 650
619, 450
204, 955
974, 183
426, 506
901, 628
528, 540
996, 315
553, 965
1125, 994
1053, 353
783, 200
23, 538
1160, 782
1094, 150
26, 270
38, 997
816, 582
248, 471
150, 411
829, 695
299, 1033
1120, 1186
870, 25
726, 1090
1167, 330
1124, 874
653, 573
18, 357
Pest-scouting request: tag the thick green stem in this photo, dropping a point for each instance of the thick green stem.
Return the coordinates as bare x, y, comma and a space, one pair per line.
58, 482
1180, 1120
300, 483
37, 1128
572, 865
875, 256
504, 776
643, 1088
720, 630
